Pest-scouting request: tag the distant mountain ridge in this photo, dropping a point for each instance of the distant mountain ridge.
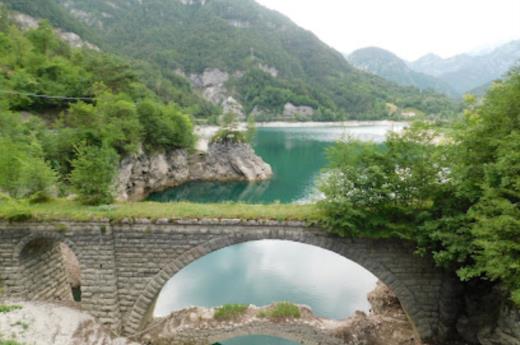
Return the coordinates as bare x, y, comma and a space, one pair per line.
387, 65
466, 72
452, 76
240, 55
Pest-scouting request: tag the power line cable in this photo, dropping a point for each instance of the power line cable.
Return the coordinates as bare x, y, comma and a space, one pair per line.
28, 94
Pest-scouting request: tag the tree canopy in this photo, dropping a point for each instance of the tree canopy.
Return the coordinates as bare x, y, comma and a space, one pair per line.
457, 194
62, 109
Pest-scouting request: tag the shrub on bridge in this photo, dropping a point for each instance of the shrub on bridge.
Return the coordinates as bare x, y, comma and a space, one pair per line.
281, 311
230, 312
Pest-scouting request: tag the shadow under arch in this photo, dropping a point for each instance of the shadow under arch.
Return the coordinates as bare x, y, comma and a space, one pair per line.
360, 254
49, 268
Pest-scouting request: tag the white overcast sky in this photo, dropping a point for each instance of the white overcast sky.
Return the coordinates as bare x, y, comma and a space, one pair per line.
409, 28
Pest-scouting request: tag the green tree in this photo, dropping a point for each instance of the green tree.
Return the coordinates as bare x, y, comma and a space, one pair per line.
93, 173
458, 199
382, 191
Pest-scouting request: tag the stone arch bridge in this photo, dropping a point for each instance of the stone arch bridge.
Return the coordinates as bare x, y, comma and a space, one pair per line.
125, 265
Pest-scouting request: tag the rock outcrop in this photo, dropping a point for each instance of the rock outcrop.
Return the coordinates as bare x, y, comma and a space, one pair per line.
27, 23
143, 174
212, 85
46, 324
489, 317
386, 324
290, 110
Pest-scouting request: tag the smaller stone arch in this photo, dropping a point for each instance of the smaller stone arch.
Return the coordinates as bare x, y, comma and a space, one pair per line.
43, 259
299, 333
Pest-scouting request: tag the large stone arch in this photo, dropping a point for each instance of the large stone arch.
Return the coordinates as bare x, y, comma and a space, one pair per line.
364, 252
41, 267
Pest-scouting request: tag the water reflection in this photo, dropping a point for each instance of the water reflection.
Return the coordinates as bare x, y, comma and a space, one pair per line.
258, 340
264, 272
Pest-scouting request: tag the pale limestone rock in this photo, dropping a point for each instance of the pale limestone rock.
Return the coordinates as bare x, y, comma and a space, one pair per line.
143, 174
231, 105
291, 110
272, 71
28, 23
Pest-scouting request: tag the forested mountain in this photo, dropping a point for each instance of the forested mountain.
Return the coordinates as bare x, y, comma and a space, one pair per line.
240, 55
466, 72
69, 113
387, 65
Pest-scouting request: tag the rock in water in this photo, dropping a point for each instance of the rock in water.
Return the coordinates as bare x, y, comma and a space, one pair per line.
142, 174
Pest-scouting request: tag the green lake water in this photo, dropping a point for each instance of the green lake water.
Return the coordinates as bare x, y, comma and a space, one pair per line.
297, 155
264, 272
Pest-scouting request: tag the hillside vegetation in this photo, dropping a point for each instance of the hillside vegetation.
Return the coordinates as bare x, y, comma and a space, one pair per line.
68, 115
270, 60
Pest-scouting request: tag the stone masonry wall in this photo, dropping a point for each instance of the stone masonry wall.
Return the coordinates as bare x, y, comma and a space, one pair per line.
125, 265
45, 278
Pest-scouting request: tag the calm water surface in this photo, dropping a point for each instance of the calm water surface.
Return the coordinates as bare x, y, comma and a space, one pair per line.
264, 272
297, 155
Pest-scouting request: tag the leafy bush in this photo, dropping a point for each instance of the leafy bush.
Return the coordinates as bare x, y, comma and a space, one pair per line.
93, 174
165, 127
381, 191
280, 311
226, 135
229, 312
23, 172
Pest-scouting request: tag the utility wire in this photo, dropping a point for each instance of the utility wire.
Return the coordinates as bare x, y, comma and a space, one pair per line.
66, 98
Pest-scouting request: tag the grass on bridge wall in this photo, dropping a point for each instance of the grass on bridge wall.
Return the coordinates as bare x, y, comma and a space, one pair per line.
61, 209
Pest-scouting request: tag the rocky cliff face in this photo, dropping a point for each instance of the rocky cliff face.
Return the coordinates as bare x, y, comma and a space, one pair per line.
46, 323
212, 86
26, 22
143, 174
489, 318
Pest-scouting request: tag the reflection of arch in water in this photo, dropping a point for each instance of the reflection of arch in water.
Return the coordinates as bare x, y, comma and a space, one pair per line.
49, 268
364, 252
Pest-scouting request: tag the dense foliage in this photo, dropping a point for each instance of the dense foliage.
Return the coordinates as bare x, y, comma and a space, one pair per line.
240, 35
93, 172
459, 198
68, 115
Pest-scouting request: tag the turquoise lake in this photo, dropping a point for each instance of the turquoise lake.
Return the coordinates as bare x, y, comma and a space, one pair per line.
264, 272
297, 155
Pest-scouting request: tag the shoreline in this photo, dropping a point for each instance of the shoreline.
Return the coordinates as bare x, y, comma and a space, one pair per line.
310, 124
205, 132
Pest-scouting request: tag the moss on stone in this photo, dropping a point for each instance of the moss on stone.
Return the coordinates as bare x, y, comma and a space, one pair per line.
62, 210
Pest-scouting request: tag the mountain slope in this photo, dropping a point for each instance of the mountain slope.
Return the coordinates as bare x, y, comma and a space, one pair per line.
389, 66
465, 72
246, 58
